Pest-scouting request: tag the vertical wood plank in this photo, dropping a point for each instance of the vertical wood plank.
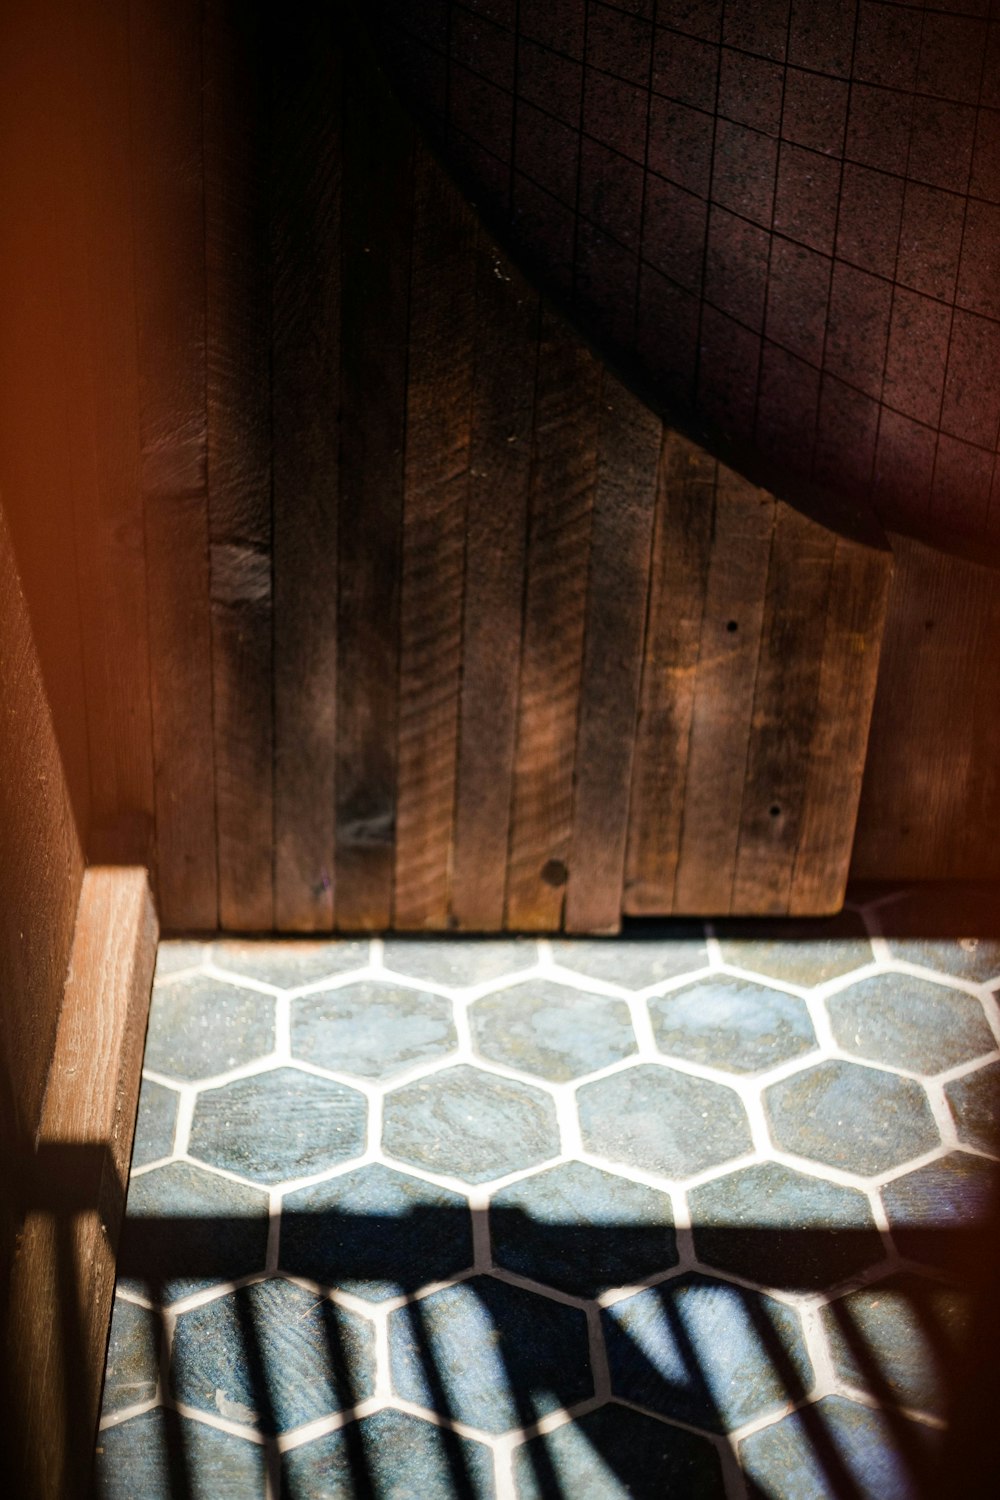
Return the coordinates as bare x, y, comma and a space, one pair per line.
859, 595
507, 331
563, 478
436, 486
784, 713
165, 57
305, 249
629, 441
239, 455
377, 228
720, 723
681, 548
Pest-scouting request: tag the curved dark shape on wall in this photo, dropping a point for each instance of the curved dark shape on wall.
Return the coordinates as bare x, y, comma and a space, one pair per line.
782, 216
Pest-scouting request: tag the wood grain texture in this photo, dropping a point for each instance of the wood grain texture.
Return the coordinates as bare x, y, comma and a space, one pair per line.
682, 541
742, 529
786, 699
629, 438
305, 178
375, 269
503, 409
930, 802
436, 489
165, 73
63, 1277
237, 257
561, 498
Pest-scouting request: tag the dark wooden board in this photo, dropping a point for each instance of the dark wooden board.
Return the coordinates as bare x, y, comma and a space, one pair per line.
507, 342
682, 541
305, 182
720, 722
235, 45
564, 475
436, 486
629, 438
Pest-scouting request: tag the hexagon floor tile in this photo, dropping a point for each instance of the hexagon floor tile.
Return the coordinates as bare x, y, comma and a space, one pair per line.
664, 1267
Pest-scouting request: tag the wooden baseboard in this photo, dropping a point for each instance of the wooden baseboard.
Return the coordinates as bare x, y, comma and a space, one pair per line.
62, 1282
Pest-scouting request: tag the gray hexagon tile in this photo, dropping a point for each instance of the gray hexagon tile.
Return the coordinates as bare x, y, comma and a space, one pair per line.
287, 965
782, 1228
463, 1122
132, 1370
905, 1022
664, 1121
730, 1023
151, 1450
155, 1123
278, 1125
974, 959
940, 1214
372, 1029
199, 1027
615, 1452
634, 962
706, 1352
974, 1101
582, 1230
390, 1454
838, 1447
903, 1340
857, 1118
272, 1356
173, 955
554, 1032
803, 953
459, 961
375, 1232
489, 1354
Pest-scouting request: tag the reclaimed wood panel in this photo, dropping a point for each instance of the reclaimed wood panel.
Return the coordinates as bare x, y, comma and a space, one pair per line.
436, 488
305, 186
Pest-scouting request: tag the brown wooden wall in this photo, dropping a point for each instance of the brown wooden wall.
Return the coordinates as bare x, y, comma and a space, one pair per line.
383, 602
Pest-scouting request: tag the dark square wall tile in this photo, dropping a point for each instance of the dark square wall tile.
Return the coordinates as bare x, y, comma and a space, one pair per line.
680, 145
611, 192
815, 112
786, 408
878, 128
543, 225
806, 205
888, 45
673, 237
550, 81
736, 267
759, 26
557, 23
951, 56
702, 18
619, 43
858, 328
845, 440
991, 67
822, 35
615, 113
479, 109
606, 283
750, 90
904, 464
797, 297
985, 181
979, 270
744, 168
729, 357
547, 151
871, 208
918, 352
930, 240
673, 356
971, 407
960, 494
686, 69
941, 143
487, 49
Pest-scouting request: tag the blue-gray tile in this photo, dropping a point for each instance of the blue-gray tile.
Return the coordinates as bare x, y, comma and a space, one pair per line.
902, 1340
974, 1101
375, 1232
706, 1352
185, 1229
458, 961
653, 1117
272, 1356
975, 959
143, 1457
846, 1115
289, 963
782, 1228
836, 1447
174, 954
806, 952
489, 1354
372, 1029
279, 1125
909, 1023
582, 1230
940, 1214
635, 963
724, 1022
200, 1026
388, 1456
465, 1123
132, 1369
550, 1030
155, 1123
613, 1453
